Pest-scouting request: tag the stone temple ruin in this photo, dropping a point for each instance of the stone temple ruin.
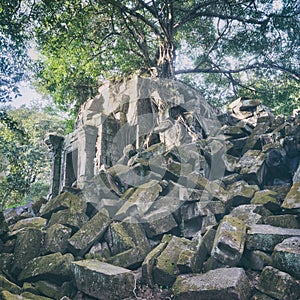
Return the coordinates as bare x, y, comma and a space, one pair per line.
154, 188
126, 116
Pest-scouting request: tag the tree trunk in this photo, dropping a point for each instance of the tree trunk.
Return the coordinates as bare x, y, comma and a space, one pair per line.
166, 59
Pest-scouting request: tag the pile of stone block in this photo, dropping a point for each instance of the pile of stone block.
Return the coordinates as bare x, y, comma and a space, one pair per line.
216, 218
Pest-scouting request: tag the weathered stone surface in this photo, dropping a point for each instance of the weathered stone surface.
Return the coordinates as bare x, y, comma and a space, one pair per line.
253, 141
251, 213
292, 199
268, 199
261, 296
56, 238
286, 256
13, 215
158, 222
36, 222
191, 260
277, 284
128, 243
285, 221
141, 200
255, 260
165, 269
266, 237
74, 220
102, 280
229, 241
150, 260
212, 190
54, 266
27, 247
240, 193
296, 177
99, 251
3, 224
224, 283
6, 261
54, 291
5, 295
32, 296
66, 200
252, 166
211, 264
118, 239
6, 285
89, 233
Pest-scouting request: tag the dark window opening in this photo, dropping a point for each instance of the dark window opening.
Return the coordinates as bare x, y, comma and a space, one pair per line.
71, 167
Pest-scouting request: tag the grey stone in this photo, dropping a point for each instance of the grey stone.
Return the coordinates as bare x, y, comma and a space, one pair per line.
99, 251
253, 141
128, 243
261, 296
165, 269
278, 285
151, 258
286, 256
3, 224
285, 221
28, 295
252, 166
35, 222
250, 213
239, 193
102, 280
255, 260
90, 232
56, 238
224, 283
27, 247
158, 222
139, 203
296, 177
74, 220
13, 215
266, 237
268, 199
6, 261
292, 199
6, 285
54, 291
229, 241
192, 258
55, 266
66, 200
6, 295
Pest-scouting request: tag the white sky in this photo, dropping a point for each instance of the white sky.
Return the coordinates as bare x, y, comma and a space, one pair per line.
29, 96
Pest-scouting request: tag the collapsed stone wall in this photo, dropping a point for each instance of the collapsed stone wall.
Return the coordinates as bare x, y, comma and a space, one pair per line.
137, 112
211, 216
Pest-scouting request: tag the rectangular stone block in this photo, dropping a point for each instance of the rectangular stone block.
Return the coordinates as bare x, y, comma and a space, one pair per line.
266, 237
102, 280
90, 232
223, 283
229, 241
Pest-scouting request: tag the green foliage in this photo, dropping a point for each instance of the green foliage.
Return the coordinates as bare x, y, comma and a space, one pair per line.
25, 165
216, 45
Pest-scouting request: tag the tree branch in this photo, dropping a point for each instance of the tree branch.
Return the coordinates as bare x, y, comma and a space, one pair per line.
234, 71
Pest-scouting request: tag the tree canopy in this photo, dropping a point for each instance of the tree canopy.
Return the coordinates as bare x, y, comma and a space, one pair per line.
224, 47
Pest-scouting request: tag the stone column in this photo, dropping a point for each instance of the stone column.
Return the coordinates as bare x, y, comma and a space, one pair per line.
55, 146
87, 136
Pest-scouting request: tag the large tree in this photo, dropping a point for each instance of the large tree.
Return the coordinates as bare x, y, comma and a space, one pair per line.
230, 43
